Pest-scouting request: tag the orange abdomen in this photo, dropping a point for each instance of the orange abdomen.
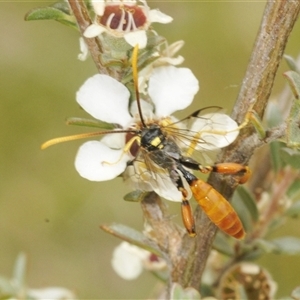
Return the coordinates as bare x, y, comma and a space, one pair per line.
217, 208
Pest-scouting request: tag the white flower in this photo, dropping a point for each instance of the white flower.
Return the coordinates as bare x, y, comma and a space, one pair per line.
128, 261
170, 89
124, 19
84, 51
53, 293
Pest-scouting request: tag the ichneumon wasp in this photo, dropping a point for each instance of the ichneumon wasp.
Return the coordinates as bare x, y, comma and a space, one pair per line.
160, 152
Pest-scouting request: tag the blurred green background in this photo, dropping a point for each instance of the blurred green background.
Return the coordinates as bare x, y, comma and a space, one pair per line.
46, 209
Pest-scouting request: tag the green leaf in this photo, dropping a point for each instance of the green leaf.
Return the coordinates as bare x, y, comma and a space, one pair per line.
131, 236
273, 114
89, 123
258, 125
293, 129
291, 63
222, 244
294, 210
294, 82
248, 201
294, 190
291, 157
7, 290
20, 271
245, 206
284, 245
179, 293
276, 157
135, 196
288, 245
51, 13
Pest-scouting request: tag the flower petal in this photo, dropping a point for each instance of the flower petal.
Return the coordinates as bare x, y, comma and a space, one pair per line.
105, 99
84, 51
93, 30
172, 89
99, 6
146, 107
157, 16
97, 162
114, 140
138, 37
58, 293
217, 131
125, 261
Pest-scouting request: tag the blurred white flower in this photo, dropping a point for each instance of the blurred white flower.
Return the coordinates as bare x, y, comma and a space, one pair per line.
53, 293
129, 261
125, 19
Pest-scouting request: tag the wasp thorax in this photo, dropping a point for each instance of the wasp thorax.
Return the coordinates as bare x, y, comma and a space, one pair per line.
123, 18
152, 138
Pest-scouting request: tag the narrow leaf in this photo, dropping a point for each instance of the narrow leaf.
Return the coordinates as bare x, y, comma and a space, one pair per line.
276, 157
20, 271
222, 244
89, 123
131, 236
291, 157
51, 13
293, 79
293, 129
179, 293
294, 210
135, 196
285, 245
291, 63
248, 201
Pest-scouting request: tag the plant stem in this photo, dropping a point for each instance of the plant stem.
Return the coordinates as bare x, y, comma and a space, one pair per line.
278, 20
83, 19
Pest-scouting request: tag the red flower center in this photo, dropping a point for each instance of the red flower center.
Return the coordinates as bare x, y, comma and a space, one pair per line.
123, 17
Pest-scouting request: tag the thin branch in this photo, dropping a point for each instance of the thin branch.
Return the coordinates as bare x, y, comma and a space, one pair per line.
83, 19
278, 20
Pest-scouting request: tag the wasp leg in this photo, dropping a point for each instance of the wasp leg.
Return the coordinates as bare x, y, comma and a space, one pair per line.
186, 210
241, 172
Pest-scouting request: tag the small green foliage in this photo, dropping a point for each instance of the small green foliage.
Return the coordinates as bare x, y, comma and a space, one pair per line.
222, 245
291, 63
58, 11
89, 123
293, 121
15, 287
135, 196
276, 156
291, 157
179, 293
293, 129
294, 210
245, 205
293, 79
284, 245
258, 125
130, 235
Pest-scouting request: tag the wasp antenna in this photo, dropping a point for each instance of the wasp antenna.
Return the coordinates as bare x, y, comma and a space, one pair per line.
135, 81
78, 137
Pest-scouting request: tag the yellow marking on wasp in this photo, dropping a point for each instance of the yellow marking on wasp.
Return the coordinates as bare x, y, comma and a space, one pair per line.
156, 141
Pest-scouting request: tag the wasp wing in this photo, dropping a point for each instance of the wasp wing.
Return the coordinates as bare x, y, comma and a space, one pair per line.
205, 130
155, 171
